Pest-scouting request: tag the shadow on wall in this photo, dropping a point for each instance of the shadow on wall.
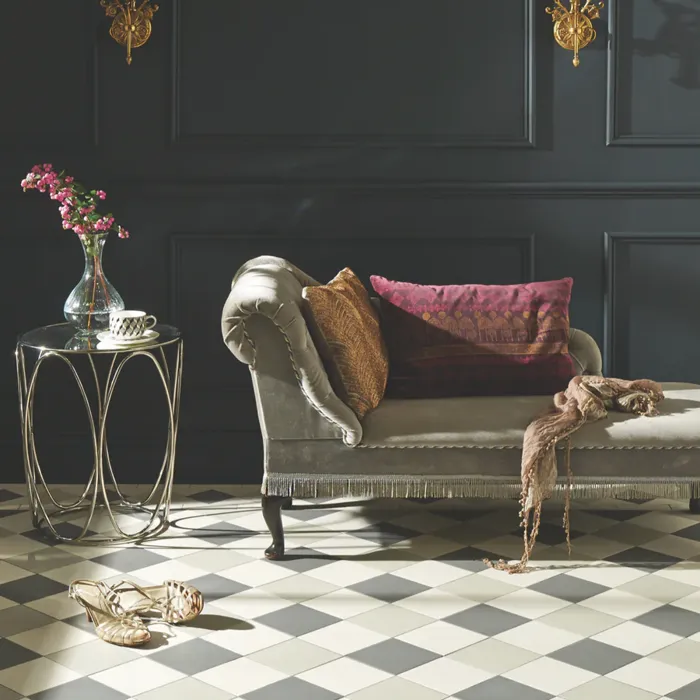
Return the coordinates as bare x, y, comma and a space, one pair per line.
679, 38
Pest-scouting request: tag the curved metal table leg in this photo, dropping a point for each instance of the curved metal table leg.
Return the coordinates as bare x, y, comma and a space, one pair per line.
48, 511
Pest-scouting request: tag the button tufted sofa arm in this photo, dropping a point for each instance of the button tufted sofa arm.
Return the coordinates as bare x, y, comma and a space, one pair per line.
263, 326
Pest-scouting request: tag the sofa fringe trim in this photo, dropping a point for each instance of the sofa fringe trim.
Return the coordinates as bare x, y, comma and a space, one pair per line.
397, 486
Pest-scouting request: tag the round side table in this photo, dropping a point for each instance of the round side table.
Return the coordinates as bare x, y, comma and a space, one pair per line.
59, 343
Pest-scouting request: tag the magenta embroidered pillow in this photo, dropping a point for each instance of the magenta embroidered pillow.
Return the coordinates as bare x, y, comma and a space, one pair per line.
474, 339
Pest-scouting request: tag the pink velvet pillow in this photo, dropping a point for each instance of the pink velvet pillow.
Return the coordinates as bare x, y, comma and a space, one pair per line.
474, 339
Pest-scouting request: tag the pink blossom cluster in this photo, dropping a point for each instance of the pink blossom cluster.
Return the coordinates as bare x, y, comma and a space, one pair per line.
77, 205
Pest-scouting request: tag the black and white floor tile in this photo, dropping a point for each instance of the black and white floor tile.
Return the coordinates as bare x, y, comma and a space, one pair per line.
388, 599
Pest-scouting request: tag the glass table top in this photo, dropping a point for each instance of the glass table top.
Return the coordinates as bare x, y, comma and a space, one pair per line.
62, 337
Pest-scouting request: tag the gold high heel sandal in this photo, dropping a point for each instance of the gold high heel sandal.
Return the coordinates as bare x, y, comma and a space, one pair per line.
112, 622
175, 601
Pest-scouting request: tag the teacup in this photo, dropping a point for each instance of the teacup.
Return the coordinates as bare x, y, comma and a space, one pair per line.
129, 324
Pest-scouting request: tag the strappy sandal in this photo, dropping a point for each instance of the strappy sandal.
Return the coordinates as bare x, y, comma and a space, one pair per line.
174, 601
112, 622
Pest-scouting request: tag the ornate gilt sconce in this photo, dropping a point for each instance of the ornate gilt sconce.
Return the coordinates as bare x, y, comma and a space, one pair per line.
131, 26
573, 29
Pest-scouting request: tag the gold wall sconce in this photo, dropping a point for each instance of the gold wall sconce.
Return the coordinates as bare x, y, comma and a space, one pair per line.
573, 29
131, 26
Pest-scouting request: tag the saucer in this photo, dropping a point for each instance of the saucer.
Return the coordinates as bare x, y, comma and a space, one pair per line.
108, 340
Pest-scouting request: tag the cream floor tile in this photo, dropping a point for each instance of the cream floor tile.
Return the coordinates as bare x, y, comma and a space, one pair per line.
581, 621
441, 637
344, 676
493, 656
685, 654
639, 639
446, 675
432, 573
654, 676
298, 588
604, 688
344, 603
294, 656
391, 620
34, 676
59, 606
538, 638
620, 604
398, 688
529, 603
659, 589
248, 641
251, 604
240, 676
436, 603
93, 657
137, 677
343, 573
344, 637
51, 638
549, 675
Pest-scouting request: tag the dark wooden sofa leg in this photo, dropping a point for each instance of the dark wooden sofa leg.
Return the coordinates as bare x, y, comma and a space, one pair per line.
694, 505
271, 507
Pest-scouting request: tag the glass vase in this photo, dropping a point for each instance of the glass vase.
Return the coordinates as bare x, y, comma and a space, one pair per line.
89, 305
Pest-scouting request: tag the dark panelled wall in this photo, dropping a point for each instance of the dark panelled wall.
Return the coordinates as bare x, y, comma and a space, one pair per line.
439, 141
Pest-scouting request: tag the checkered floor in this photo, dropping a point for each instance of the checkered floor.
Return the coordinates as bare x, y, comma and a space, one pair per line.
376, 600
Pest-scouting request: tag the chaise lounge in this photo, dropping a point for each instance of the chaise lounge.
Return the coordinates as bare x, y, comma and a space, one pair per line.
315, 446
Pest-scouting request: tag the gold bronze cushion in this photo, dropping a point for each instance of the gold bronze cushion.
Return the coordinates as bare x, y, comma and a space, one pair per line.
345, 329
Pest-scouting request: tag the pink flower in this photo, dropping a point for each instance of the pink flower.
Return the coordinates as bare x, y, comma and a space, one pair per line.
101, 194
122, 232
67, 225
68, 179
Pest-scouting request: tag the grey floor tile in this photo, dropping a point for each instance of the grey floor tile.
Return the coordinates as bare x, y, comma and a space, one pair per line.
691, 533
297, 620
594, 656
671, 619
12, 654
214, 587
388, 588
551, 534
303, 559
500, 688
7, 495
614, 514
130, 559
7, 694
186, 689
81, 689
20, 619
221, 533
394, 656
486, 619
645, 559
31, 588
468, 558
210, 496
569, 588
307, 513
70, 530
687, 692
291, 689
194, 656
385, 534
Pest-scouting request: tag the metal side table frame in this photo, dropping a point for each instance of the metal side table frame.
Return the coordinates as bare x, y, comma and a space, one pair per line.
58, 341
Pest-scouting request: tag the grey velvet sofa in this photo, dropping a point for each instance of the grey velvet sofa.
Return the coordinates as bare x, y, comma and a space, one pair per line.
314, 445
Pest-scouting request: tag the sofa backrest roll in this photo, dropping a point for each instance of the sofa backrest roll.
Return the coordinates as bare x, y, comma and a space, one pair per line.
263, 326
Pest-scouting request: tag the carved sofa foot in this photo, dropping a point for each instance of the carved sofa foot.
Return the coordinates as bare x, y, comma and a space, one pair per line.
271, 507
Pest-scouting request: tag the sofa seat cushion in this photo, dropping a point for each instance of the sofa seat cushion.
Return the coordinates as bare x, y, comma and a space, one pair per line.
499, 422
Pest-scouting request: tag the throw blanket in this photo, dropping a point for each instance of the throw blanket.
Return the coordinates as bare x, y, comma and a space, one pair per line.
587, 398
